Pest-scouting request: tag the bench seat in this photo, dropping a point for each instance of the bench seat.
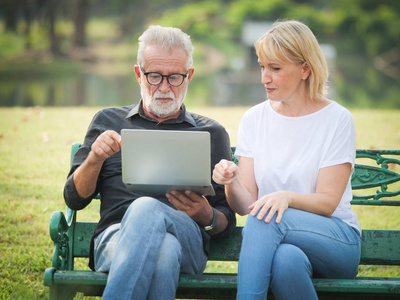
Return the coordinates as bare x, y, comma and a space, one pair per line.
224, 285
378, 247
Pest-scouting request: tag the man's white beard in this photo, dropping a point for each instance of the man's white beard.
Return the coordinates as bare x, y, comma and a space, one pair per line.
162, 109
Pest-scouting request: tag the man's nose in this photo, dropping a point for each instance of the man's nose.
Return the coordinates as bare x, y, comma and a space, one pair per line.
164, 85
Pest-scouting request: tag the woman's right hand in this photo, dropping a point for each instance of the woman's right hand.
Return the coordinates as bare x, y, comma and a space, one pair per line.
225, 172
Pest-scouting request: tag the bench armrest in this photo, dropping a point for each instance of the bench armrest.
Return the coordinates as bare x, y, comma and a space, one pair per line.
61, 231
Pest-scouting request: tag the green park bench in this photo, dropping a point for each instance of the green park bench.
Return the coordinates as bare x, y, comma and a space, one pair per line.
379, 170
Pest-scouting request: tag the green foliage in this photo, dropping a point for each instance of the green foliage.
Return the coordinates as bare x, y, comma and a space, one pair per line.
367, 26
11, 45
374, 26
359, 85
242, 10
202, 20
101, 29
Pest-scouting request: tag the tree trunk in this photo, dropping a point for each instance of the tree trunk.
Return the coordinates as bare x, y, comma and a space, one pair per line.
28, 7
11, 15
80, 15
51, 17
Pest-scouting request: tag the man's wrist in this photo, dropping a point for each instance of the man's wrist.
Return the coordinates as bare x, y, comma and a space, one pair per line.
214, 220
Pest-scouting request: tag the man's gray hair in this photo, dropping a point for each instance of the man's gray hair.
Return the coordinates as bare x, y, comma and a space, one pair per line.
167, 38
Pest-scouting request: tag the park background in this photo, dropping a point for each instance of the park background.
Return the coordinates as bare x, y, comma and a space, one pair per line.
61, 61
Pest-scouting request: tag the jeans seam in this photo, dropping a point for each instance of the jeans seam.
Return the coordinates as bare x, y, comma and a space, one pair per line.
320, 234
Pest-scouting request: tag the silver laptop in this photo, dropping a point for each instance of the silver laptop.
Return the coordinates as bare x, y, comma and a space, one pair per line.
157, 161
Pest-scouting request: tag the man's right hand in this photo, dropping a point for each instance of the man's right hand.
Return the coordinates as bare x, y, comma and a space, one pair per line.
85, 176
108, 143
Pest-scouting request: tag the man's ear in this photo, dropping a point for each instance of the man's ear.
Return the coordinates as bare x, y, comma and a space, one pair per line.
190, 74
138, 74
306, 71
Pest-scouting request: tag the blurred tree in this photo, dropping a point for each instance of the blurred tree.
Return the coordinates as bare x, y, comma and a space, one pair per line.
28, 10
367, 26
50, 17
131, 15
10, 13
204, 21
242, 10
80, 14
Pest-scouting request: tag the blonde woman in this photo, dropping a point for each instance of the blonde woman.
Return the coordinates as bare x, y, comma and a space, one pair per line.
296, 154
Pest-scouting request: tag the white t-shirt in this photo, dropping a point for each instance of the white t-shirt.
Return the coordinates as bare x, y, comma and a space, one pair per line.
288, 152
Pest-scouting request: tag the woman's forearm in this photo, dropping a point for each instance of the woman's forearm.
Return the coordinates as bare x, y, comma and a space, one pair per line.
317, 203
238, 197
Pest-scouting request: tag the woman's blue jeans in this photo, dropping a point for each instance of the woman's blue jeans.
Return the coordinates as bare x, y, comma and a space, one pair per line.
146, 252
285, 256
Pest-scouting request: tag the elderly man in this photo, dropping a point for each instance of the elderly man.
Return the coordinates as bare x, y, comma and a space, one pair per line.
143, 241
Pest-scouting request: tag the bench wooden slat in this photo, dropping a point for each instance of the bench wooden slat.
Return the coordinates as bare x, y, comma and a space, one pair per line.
379, 247
363, 201
78, 277
226, 249
224, 284
359, 286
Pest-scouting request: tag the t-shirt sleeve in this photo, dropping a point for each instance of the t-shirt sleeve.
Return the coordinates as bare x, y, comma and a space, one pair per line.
341, 147
245, 137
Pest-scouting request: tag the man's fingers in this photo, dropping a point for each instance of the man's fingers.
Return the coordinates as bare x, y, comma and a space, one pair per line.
113, 140
193, 196
178, 200
109, 142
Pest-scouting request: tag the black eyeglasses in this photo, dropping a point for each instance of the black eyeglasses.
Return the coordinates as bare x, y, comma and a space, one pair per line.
155, 78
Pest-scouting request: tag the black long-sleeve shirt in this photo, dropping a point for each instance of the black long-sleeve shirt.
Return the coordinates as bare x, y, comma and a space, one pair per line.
115, 197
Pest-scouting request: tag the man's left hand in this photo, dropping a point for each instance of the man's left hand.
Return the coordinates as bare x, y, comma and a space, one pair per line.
194, 205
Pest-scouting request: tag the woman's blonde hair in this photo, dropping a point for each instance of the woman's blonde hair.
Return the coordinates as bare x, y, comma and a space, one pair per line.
293, 42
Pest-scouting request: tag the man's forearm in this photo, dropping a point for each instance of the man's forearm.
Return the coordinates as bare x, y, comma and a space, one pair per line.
86, 175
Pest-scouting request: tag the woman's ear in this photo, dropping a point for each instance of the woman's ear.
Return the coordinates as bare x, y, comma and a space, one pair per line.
306, 71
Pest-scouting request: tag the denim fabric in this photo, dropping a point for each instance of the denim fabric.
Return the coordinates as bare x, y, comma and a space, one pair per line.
104, 245
154, 244
287, 255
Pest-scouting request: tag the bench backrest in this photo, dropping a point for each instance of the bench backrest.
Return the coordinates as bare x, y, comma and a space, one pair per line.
380, 169
380, 247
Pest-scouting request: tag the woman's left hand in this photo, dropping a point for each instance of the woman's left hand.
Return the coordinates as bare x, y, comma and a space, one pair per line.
270, 204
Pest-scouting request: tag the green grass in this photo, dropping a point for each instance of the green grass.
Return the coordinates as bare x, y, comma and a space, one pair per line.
34, 161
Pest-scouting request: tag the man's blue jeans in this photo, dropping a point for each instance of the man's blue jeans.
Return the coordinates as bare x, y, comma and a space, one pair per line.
146, 252
287, 255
